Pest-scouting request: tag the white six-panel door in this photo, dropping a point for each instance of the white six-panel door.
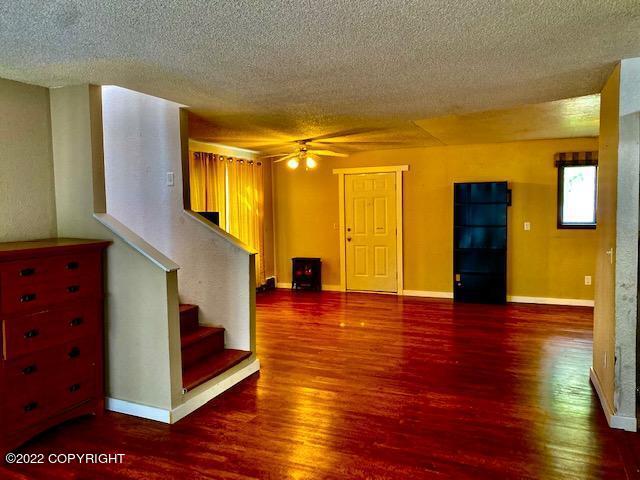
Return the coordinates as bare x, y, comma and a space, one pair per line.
370, 232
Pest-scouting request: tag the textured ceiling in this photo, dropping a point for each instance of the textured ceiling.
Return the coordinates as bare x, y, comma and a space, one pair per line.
567, 118
573, 117
294, 69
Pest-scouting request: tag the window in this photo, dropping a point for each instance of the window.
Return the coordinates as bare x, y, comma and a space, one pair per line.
577, 192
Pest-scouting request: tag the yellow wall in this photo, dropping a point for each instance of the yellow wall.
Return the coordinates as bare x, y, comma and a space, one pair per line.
543, 262
604, 311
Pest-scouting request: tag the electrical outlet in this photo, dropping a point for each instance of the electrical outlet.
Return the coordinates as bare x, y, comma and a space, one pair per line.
527, 226
170, 179
587, 279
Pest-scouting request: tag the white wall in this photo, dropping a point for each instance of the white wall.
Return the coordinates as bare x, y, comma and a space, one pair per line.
626, 255
142, 142
27, 203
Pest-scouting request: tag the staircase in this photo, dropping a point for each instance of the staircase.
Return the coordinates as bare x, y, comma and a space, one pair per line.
203, 354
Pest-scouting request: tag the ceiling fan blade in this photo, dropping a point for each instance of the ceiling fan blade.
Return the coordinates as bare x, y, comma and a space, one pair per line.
342, 133
275, 147
276, 156
328, 153
286, 157
373, 142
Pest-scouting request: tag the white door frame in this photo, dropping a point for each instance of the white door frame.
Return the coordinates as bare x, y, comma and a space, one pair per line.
341, 172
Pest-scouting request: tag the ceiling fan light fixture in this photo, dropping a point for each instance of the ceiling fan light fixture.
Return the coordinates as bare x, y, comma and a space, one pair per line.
311, 163
293, 163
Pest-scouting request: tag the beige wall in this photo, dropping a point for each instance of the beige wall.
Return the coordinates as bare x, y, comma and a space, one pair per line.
543, 262
139, 307
27, 203
604, 311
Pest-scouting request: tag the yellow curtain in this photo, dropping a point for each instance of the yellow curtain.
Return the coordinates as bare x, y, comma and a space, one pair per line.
258, 219
197, 182
246, 208
207, 183
241, 203
233, 198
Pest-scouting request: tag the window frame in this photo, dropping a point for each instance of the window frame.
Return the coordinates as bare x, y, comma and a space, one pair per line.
560, 198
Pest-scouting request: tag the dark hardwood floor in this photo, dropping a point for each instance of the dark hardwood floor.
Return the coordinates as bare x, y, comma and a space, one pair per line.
377, 386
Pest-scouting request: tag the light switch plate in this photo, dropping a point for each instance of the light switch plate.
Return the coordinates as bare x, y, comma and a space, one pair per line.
170, 179
527, 226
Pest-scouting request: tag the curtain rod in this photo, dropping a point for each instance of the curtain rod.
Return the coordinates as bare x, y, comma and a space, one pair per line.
231, 159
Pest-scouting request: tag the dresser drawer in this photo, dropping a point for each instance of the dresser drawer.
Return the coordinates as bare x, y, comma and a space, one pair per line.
25, 272
23, 408
31, 333
72, 392
24, 298
68, 267
29, 371
17, 298
69, 289
43, 270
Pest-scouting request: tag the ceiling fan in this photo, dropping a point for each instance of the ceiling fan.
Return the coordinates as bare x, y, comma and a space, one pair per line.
312, 147
304, 155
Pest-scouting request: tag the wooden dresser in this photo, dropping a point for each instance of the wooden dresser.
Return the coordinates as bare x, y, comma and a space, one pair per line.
51, 309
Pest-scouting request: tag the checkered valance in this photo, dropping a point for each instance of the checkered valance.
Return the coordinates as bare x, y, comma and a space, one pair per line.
572, 159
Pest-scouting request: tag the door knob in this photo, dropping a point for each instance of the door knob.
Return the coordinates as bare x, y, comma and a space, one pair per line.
348, 239
610, 254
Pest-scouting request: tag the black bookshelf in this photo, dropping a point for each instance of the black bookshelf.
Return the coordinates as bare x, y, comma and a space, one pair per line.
480, 241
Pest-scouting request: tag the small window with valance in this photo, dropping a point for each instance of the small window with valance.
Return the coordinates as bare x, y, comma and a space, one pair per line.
577, 189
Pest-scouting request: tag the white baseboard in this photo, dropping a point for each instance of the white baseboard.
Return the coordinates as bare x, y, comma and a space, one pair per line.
181, 411
137, 410
576, 302
213, 391
325, 288
572, 302
427, 294
629, 424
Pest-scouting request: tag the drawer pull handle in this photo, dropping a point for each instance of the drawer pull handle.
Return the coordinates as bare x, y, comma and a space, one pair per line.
74, 352
76, 321
30, 406
73, 288
74, 388
30, 369
73, 266
27, 297
31, 333
27, 272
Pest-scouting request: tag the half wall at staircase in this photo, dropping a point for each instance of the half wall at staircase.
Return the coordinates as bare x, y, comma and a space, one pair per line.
142, 150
